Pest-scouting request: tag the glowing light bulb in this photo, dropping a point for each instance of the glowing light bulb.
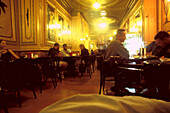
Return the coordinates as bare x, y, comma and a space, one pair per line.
103, 13
111, 38
96, 5
103, 25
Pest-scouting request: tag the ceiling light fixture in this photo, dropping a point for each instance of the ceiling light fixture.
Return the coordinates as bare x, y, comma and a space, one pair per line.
103, 25
103, 13
96, 5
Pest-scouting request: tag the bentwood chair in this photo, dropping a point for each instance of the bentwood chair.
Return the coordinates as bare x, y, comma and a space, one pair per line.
50, 69
28, 75
106, 74
86, 65
3, 103
129, 80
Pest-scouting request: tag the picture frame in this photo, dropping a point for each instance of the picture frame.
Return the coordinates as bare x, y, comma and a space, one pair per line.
61, 29
50, 23
165, 16
7, 22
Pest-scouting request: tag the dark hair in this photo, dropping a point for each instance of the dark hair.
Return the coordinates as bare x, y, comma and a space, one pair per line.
1, 41
119, 31
64, 45
56, 44
81, 45
161, 35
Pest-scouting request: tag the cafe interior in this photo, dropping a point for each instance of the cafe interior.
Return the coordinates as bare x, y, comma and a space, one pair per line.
53, 56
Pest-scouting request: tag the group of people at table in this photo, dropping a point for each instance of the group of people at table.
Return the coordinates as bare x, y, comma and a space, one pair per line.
8, 55
160, 47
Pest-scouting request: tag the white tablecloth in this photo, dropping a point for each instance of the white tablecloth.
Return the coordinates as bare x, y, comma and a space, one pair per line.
92, 103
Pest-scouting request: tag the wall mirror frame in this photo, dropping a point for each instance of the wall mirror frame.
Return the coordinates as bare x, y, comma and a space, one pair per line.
50, 23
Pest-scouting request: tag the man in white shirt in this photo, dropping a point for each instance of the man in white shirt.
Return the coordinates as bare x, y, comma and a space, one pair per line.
65, 51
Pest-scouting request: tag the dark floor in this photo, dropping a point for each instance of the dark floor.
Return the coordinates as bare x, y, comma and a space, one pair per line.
67, 88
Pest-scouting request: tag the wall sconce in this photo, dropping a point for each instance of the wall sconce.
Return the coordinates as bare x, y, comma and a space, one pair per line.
166, 8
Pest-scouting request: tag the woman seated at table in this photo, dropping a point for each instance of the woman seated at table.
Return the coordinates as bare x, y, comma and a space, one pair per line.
54, 52
5, 53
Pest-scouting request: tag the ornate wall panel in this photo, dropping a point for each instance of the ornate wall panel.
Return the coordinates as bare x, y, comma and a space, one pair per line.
50, 22
27, 22
7, 21
165, 15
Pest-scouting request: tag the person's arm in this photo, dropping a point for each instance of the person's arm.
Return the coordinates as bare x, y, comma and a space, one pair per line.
122, 51
51, 52
13, 54
59, 54
149, 48
87, 53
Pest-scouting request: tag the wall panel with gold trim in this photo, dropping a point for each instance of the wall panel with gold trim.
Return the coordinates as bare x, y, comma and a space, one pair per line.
28, 22
8, 22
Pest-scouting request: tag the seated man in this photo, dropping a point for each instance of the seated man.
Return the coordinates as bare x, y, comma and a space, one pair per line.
154, 49
54, 52
116, 47
65, 51
163, 40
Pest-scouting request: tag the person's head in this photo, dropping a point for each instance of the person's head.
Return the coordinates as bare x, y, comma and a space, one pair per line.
82, 46
2, 43
121, 35
56, 46
65, 46
162, 39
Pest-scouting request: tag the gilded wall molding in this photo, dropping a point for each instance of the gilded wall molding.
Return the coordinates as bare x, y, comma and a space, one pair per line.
8, 22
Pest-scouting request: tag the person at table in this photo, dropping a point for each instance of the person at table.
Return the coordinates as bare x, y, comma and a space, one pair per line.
116, 47
154, 49
65, 51
84, 51
163, 40
54, 52
6, 54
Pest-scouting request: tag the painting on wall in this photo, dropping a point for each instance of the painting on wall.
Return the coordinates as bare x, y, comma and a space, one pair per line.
61, 28
27, 22
51, 30
165, 10
7, 20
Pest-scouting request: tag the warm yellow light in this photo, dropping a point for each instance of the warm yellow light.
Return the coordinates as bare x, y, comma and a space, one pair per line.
139, 23
58, 26
68, 32
103, 13
103, 17
111, 38
102, 25
64, 32
53, 26
87, 35
96, 5
115, 33
82, 39
59, 34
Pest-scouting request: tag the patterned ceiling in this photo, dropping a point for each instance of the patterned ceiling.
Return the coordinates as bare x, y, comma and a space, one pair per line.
115, 9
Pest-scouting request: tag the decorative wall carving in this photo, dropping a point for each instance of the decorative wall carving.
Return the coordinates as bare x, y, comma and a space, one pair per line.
165, 16
27, 22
